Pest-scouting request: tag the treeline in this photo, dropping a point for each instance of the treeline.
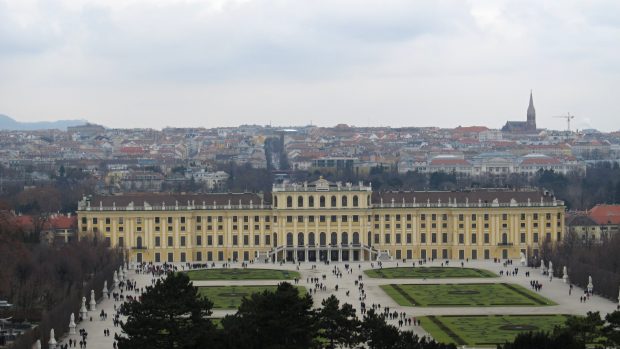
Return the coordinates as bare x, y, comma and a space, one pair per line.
601, 183
171, 314
60, 194
601, 261
46, 283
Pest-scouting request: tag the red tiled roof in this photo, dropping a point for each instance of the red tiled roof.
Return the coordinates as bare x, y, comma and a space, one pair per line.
24, 222
468, 141
443, 162
540, 161
606, 214
63, 222
501, 143
131, 150
471, 129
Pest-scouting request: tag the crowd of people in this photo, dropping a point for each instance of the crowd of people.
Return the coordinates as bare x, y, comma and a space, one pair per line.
320, 285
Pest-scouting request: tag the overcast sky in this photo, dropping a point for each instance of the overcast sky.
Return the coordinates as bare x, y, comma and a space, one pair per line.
157, 63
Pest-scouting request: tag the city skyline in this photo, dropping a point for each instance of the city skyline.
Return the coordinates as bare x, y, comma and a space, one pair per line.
226, 63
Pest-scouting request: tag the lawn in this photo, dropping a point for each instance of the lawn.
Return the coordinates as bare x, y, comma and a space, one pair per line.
429, 273
486, 330
241, 274
464, 295
229, 297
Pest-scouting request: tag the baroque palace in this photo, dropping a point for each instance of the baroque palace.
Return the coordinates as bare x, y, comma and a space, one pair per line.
324, 221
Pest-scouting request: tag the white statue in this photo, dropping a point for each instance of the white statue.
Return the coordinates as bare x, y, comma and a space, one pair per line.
37, 344
590, 285
550, 268
523, 260
114, 280
565, 274
105, 287
542, 266
83, 310
93, 302
52, 343
72, 324
120, 274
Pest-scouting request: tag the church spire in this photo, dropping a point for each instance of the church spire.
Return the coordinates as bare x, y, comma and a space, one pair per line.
531, 114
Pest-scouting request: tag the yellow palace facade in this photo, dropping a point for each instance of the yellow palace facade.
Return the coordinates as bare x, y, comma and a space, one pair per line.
324, 221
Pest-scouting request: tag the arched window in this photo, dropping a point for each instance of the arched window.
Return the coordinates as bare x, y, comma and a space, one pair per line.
289, 201
333, 201
355, 201
322, 201
369, 239
275, 239
311, 239
334, 239
311, 201
322, 239
345, 201
344, 238
275, 201
300, 239
139, 242
289, 239
356, 238
368, 200
504, 238
300, 201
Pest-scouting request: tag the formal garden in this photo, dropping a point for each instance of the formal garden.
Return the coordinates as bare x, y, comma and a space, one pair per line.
464, 295
241, 274
486, 330
429, 273
229, 297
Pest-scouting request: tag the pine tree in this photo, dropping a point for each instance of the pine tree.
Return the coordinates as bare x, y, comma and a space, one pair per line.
171, 314
338, 324
272, 320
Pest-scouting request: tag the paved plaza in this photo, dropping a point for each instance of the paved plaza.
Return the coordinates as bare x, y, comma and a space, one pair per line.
555, 290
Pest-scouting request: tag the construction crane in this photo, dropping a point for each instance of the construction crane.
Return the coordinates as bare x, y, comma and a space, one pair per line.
568, 118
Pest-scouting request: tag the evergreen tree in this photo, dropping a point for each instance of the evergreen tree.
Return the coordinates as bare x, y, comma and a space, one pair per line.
377, 333
272, 320
338, 325
409, 340
544, 340
170, 314
585, 329
611, 330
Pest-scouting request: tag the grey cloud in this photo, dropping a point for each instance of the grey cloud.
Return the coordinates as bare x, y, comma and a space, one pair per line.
350, 58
